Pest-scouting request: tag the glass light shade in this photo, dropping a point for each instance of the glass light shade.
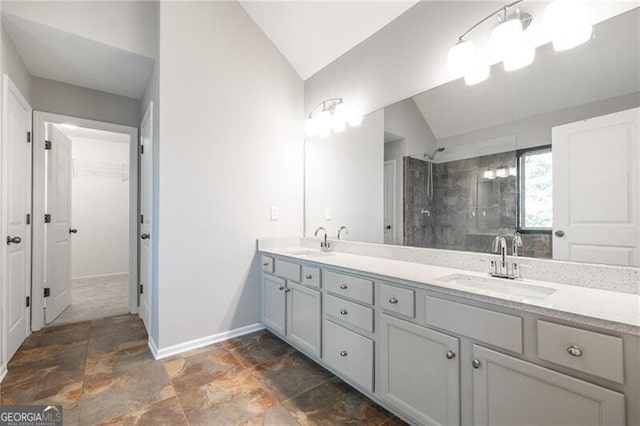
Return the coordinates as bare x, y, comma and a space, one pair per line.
461, 57
324, 123
489, 174
341, 112
519, 58
339, 124
502, 172
311, 126
505, 38
477, 73
566, 23
354, 116
513, 171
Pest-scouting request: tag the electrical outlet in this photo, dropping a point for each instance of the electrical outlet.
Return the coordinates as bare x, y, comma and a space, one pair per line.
327, 213
275, 213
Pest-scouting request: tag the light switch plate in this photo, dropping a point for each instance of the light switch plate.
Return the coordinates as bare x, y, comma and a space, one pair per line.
275, 213
327, 213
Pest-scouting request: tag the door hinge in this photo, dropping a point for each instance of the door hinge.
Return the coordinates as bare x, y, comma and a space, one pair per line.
47, 292
28, 219
47, 144
141, 149
28, 302
28, 137
141, 218
47, 218
141, 289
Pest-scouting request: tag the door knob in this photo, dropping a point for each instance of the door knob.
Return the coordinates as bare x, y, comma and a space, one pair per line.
388, 226
73, 231
14, 240
144, 236
559, 233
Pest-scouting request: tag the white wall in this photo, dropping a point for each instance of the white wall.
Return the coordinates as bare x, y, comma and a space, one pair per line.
122, 24
75, 101
231, 131
14, 67
409, 55
344, 172
99, 209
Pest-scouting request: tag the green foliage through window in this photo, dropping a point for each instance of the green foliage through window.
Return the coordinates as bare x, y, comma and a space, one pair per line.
536, 189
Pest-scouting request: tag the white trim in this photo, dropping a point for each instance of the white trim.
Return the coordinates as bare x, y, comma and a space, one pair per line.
115, 274
202, 341
3, 372
39, 120
394, 198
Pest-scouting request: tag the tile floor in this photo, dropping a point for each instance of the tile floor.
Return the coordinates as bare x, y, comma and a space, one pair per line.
103, 373
97, 297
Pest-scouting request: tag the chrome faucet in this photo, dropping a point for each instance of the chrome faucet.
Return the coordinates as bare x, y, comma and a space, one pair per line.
342, 228
500, 269
324, 245
516, 243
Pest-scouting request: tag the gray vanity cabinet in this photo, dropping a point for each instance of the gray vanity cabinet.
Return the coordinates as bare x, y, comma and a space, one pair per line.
420, 371
273, 303
304, 317
509, 391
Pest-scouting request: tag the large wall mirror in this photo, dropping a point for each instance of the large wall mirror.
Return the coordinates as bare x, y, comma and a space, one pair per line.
548, 155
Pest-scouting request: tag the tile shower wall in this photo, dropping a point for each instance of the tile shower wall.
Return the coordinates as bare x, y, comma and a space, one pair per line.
467, 211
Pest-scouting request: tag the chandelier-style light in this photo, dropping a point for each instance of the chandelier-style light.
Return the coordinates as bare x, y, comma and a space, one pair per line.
331, 115
565, 22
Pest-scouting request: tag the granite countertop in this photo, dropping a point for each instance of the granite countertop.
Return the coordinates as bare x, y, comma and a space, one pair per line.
596, 307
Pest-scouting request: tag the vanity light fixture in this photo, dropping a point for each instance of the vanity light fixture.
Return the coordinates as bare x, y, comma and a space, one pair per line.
502, 172
489, 174
565, 22
331, 115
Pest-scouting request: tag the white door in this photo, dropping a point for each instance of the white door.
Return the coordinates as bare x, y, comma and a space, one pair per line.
16, 205
146, 205
58, 231
596, 187
389, 201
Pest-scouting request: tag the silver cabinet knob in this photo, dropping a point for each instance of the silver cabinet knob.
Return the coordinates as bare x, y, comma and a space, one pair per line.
393, 301
343, 312
281, 288
144, 236
451, 354
343, 353
573, 350
475, 363
559, 233
287, 290
343, 286
14, 240
265, 264
308, 276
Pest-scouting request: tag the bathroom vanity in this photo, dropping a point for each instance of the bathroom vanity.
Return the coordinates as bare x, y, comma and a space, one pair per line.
442, 345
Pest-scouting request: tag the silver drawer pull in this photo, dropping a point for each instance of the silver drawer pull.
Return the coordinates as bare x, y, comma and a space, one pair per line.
475, 363
451, 354
265, 264
287, 290
280, 288
343, 312
393, 301
308, 276
343, 353
343, 286
574, 351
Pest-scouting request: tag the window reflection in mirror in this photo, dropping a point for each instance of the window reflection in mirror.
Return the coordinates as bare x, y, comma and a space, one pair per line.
535, 197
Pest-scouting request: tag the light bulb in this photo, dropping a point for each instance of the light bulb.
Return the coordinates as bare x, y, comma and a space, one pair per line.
477, 73
339, 124
566, 23
504, 39
324, 123
311, 126
461, 58
341, 111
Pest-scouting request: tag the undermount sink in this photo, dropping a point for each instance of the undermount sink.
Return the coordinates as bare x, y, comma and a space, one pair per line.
515, 289
310, 253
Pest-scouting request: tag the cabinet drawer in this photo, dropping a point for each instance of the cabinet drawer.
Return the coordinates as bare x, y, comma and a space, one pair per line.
349, 353
396, 299
311, 276
582, 350
349, 286
288, 270
495, 328
357, 315
267, 264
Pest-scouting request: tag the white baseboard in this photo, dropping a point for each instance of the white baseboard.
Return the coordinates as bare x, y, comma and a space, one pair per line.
202, 341
3, 372
115, 274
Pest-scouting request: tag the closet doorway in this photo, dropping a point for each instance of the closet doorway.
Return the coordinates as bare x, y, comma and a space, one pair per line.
87, 190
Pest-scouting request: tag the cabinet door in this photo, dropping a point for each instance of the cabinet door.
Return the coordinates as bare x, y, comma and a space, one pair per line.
420, 372
273, 303
509, 391
303, 317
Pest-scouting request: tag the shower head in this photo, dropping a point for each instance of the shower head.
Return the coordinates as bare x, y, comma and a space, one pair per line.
433, 154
